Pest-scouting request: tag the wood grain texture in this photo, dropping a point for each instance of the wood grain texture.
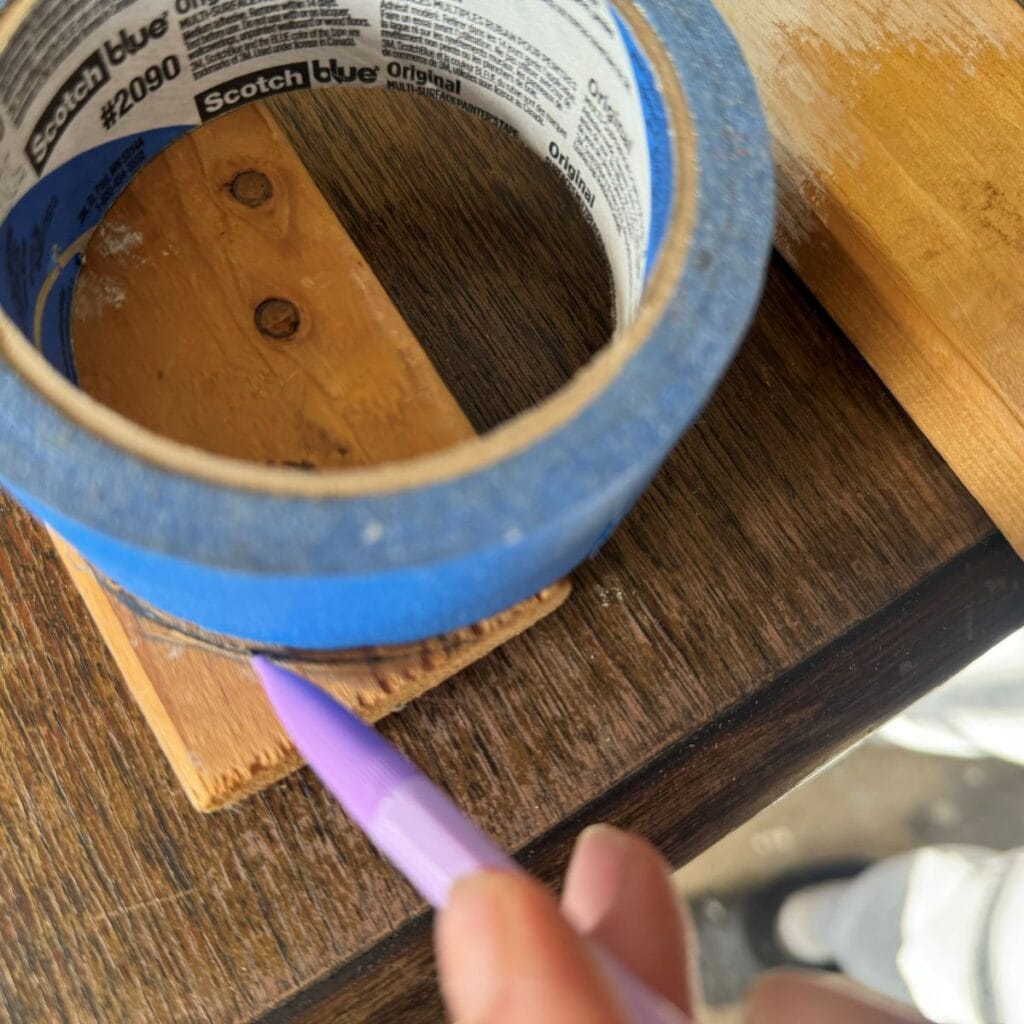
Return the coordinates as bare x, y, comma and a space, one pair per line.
700, 788
898, 130
508, 307
207, 710
804, 564
166, 307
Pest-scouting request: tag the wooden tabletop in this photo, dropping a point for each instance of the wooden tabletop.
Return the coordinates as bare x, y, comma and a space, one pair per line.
804, 566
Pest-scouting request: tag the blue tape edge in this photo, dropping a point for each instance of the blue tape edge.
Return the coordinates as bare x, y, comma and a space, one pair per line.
300, 572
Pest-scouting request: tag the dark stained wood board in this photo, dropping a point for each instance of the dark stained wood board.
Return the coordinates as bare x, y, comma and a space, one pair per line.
507, 307
703, 785
804, 565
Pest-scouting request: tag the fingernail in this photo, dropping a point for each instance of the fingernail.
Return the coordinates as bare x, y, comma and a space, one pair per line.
605, 841
600, 865
471, 943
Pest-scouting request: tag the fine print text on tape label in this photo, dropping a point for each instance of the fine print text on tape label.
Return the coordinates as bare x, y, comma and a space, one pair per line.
83, 80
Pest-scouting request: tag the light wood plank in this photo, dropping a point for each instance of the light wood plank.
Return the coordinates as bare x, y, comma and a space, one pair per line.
165, 327
899, 129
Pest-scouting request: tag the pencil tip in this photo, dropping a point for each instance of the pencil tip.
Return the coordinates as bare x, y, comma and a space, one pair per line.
350, 757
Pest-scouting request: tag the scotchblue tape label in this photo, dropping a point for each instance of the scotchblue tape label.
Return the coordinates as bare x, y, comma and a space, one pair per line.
563, 75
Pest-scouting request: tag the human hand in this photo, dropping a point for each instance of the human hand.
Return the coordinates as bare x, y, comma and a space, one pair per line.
508, 955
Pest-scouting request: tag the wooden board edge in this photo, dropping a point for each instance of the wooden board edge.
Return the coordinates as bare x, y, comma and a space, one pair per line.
98, 603
927, 371
697, 790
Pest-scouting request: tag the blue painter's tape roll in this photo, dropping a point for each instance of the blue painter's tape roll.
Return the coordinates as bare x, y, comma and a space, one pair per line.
397, 553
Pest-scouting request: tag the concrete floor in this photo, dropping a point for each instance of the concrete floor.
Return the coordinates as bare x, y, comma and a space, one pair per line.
875, 801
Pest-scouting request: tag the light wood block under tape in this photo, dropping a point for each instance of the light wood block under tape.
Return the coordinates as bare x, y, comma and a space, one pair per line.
174, 275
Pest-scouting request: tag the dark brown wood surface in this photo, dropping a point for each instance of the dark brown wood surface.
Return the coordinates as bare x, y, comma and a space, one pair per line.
804, 566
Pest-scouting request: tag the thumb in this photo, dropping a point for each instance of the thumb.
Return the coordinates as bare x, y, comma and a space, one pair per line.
507, 956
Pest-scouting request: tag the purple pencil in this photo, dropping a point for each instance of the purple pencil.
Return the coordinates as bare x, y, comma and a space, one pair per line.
413, 823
